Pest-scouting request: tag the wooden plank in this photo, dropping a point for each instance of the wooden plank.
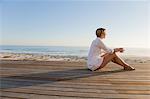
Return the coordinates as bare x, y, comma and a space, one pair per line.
5, 97
71, 94
71, 80
12, 95
79, 86
16, 95
82, 90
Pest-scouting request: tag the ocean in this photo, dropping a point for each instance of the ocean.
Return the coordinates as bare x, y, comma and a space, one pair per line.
66, 51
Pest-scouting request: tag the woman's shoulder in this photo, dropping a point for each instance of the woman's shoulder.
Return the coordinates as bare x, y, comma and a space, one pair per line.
98, 39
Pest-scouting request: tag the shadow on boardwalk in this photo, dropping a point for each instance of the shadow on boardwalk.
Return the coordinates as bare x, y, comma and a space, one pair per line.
49, 77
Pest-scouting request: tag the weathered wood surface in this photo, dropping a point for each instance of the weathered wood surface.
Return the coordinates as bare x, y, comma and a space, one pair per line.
71, 80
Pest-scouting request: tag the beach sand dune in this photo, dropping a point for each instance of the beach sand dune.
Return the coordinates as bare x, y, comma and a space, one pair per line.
22, 79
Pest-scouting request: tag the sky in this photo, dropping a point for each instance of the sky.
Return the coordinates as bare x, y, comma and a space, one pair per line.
73, 22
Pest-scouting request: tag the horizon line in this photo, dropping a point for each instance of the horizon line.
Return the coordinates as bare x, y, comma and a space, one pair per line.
63, 46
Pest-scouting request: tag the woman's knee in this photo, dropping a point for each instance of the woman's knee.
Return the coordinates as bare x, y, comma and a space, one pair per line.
114, 54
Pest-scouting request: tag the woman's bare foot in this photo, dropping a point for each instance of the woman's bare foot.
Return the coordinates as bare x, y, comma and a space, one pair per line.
129, 68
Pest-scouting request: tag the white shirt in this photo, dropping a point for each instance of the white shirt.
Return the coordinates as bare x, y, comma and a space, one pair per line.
94, 56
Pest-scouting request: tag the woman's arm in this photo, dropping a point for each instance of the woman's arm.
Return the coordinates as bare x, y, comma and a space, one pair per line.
105, 48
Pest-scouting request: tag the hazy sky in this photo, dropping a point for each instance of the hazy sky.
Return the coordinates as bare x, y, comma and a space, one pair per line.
73, 22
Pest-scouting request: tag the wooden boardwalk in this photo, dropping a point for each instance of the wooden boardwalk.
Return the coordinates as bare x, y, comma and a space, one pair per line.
71, 80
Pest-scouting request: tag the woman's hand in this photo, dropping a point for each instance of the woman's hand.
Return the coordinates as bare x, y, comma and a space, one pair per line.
119, 50
116, 50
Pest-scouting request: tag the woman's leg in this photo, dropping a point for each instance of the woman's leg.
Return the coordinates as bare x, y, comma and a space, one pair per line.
114, 58
119, 61
107, 59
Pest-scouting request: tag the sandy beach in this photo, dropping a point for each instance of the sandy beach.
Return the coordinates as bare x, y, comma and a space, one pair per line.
66, 79
42, 57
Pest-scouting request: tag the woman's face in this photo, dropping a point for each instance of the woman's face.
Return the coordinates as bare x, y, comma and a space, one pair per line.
103, 35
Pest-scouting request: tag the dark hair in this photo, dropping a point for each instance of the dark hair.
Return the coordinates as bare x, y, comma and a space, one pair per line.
99, 31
